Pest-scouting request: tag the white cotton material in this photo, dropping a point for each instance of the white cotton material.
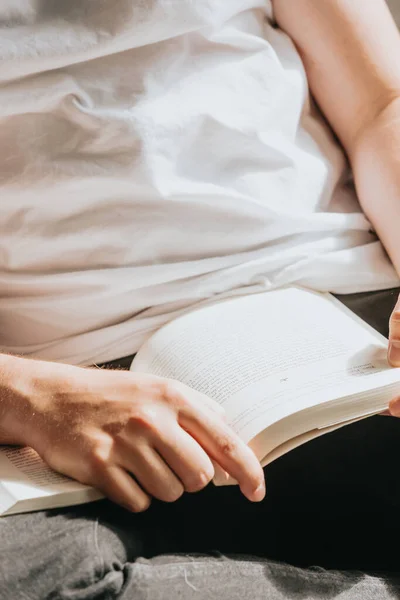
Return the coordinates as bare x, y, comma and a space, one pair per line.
157, 155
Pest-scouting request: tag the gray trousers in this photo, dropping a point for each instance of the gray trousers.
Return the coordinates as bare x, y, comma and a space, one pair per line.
328, 529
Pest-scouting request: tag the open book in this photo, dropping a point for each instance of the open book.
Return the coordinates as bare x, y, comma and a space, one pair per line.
287, 366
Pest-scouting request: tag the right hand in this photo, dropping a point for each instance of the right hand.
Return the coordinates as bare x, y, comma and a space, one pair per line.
102, 427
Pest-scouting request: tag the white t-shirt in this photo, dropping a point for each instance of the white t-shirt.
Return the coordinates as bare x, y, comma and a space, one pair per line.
156, 155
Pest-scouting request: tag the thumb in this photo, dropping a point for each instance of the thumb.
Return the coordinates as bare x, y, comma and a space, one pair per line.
394, 336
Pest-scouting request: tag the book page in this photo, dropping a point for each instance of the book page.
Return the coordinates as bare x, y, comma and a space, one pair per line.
266, 356
24, 475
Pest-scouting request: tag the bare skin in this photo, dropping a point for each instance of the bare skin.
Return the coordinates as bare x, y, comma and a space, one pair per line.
349, 49
101, 427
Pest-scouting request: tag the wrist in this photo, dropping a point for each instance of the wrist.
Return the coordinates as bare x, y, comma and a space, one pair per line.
16, 399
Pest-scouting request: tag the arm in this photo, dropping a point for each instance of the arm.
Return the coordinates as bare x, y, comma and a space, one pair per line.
351, 52
15, 402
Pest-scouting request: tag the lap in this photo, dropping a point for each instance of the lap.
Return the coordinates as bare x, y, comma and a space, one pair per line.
332, 502
97, 552
42, 553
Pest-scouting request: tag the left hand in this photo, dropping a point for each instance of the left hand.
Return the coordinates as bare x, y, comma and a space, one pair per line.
394, 352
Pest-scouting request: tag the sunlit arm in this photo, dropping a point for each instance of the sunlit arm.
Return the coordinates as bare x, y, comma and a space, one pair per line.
351, 52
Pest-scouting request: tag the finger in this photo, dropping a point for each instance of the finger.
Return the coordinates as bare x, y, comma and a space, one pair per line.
186, 458
122, 489
220, 475
198, 397
394, 407
225, 447
394, 336
151, 471
191, 394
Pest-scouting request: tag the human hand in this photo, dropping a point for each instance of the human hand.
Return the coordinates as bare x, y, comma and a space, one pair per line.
102, 427
394, 352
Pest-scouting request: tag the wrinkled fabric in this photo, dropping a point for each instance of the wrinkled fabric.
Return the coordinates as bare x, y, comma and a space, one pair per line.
156, 155
85, 560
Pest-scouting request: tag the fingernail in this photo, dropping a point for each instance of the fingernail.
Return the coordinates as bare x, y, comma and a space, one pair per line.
394, 353
259, 493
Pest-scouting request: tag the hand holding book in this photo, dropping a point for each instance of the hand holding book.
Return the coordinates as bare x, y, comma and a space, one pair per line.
394, 336
132, 436
394, 353
286, 366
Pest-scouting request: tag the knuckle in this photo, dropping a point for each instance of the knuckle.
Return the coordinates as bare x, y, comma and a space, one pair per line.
395, 318
168, 388
199, 480
173, 393
99, 459
173, 494
144, 419
227, 447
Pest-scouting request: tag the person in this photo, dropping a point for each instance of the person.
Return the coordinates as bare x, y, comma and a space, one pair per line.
156, 155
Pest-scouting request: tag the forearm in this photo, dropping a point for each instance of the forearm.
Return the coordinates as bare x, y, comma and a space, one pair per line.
376, 168
349, 49
15, 395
